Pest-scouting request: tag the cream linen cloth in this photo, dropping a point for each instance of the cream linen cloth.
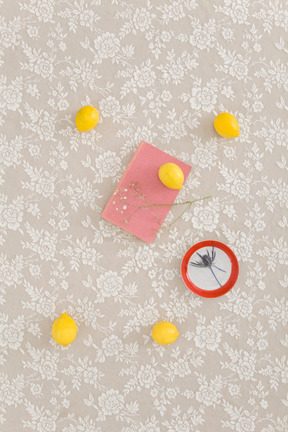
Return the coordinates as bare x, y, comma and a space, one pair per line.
159, 72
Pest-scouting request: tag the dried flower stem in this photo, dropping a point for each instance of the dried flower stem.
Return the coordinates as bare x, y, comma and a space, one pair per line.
166, 205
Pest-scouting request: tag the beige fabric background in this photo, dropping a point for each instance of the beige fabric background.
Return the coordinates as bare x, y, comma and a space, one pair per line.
159, 72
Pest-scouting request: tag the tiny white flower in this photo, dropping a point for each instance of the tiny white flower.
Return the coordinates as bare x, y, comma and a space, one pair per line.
36, 390
33, 32
34, 329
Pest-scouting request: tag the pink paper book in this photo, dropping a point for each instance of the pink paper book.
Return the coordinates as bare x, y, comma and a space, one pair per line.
133, 205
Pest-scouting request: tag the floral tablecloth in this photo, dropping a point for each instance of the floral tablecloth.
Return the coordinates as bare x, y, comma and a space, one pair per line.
158, 72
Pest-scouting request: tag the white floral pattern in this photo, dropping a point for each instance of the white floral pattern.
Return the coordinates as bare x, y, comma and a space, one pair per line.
159, 73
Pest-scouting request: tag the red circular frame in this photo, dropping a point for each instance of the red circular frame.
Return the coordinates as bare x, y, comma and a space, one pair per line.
220, 291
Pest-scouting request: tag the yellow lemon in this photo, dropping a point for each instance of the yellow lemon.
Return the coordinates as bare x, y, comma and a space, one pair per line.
164, 333
86, 118
64, 330
226, 125
171, 176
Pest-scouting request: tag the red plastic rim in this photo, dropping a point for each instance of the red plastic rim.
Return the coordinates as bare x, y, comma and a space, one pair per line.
217, 292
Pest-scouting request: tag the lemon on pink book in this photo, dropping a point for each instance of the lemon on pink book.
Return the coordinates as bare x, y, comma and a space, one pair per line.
141, 202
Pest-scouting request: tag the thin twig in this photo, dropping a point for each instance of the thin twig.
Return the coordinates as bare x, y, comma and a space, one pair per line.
166, 205
215, 275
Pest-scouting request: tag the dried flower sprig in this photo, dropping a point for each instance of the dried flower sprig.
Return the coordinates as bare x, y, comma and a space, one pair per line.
172, 205
135, 190
168, 205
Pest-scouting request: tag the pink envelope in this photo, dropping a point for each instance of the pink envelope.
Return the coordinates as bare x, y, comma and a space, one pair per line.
139, 203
